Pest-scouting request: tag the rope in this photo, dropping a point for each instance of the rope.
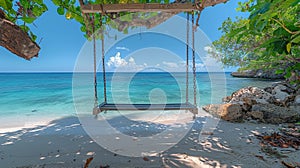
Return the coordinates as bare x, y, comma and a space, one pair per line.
96, 109
103, 68
187, 58
194, 64
95, 70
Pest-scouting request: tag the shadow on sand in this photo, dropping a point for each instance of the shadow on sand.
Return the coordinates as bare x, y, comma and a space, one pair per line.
64, 143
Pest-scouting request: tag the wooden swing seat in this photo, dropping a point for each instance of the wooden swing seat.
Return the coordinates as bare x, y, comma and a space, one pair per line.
174, 106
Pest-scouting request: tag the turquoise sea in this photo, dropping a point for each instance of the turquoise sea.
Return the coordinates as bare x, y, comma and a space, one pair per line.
28, 97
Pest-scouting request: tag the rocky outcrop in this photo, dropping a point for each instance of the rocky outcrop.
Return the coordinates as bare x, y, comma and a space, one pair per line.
279, 103
266, 74
275, 114
244, 74
228, 112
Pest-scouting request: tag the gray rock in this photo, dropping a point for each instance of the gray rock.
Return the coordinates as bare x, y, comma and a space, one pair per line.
276, 114
279, 92
268, 74
256, 115
279, 87
297, 100
295, 108
259, 74
279, 103
268, 89
251, 94
281, 96
262, 101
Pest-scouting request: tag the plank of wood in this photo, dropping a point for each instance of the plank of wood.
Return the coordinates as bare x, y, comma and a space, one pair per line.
150, 7
175, 106
153, 7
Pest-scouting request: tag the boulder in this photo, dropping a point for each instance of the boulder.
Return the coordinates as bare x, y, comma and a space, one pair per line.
277, 114
268, 74
248, 96
228, 112
279, 103
257, 115
279, 93
297, 100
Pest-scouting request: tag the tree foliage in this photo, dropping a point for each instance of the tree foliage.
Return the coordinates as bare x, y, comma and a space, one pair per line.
25, 12
20, 14
268, 38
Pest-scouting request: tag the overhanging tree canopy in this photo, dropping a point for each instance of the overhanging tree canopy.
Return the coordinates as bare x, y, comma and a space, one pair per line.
91, 14
269, 39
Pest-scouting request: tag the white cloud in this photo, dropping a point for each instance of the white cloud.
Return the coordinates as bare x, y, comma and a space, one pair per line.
122, 48
120, 64
131, 60
116, 61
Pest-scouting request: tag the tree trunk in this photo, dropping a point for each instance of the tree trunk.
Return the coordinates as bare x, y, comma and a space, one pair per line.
13, 38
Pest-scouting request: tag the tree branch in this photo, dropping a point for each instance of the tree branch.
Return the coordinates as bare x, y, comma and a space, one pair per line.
208, 3
284, 27
149, 23
162, 16
13, 38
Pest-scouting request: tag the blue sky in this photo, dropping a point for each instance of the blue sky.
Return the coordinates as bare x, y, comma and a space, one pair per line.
62, 40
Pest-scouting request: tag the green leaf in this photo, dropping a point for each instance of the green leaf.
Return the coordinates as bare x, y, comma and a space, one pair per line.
261, 10
281, 32
78, 19
279, 71
288, 47
33, 36
44, 7
83, 29
40, 2
57, 2
24, 28
60, 10
37, 11
28, 19
25, 3
296, 39
66, 2
6, 4
288, 74
262, 25
125, 31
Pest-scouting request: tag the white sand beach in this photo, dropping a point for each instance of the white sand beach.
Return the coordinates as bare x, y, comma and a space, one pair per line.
64, 143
